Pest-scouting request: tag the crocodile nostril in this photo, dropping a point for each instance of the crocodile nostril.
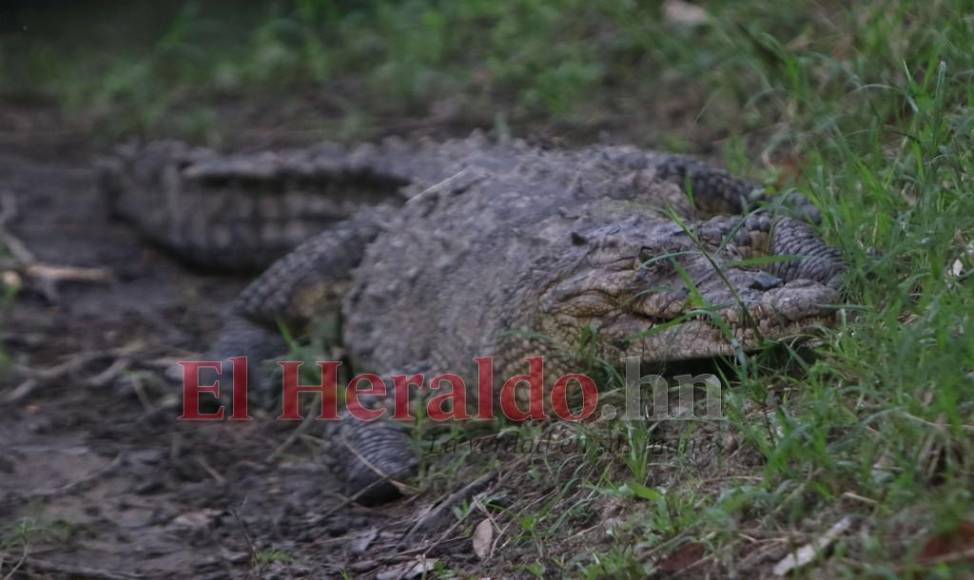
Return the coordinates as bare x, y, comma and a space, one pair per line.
765, 281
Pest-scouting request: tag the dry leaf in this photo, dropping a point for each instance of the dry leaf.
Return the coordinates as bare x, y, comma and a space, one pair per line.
11, 280
198, 520
682, 558
483, 536
361, 543
957, 269
412, 569
809, 552
683, 13
956, 545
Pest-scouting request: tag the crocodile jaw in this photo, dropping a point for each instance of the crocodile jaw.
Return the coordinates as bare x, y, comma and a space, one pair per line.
791, 311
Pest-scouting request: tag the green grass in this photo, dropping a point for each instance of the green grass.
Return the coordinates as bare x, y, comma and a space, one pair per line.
866, 108
560, 61
17, 540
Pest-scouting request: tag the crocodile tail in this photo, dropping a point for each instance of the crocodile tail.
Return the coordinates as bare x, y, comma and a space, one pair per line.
240, 212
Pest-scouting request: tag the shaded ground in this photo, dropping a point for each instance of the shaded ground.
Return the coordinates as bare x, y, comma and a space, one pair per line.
103, 478
863, 107
100, 479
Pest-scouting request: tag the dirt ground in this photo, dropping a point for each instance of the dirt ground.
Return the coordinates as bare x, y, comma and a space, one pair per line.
98, 478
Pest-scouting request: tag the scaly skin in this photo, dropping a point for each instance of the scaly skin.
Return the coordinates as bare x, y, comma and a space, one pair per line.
510, 251
241, 212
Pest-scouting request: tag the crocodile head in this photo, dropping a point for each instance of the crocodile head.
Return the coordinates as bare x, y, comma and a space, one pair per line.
667, 292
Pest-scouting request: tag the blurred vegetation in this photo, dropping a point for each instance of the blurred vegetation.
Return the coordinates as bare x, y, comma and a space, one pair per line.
865, 107
161, 66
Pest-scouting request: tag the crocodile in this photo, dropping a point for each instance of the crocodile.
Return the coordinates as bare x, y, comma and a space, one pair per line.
435, 253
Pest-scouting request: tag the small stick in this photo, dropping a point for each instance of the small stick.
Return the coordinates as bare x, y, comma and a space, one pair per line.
111, 373
209, 469
304, 426
47, 275
68, 571
69, 487
251, 547
35, 377
429, 521
20, 562
351, 499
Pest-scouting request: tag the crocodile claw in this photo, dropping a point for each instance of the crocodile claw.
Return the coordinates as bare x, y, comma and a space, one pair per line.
379, 455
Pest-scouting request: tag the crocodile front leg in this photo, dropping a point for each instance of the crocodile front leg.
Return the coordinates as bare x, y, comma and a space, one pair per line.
305, 284
375, 455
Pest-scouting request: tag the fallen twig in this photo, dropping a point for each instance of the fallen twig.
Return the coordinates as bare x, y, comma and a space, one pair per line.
809, 552
47, 276
68, 570
37, 377
210, 469
434, 518
300, 430
949, 558
111, 373
20, 562
251, 547
352, 498
66, 488
22, 391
